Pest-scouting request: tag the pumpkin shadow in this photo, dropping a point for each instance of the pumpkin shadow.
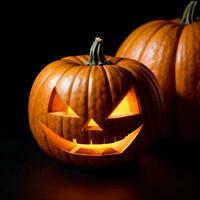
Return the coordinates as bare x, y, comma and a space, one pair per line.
187, 118
179, 152
59, 182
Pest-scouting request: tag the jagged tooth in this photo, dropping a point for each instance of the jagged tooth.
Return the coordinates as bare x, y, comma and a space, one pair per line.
74, 140
96, 137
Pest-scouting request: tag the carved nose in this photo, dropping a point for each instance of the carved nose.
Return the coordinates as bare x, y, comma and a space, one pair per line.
91, 125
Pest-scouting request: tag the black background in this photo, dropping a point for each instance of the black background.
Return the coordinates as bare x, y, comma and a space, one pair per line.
35, 34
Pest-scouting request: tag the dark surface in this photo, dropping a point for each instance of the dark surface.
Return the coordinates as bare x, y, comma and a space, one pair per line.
169, 171
35, 34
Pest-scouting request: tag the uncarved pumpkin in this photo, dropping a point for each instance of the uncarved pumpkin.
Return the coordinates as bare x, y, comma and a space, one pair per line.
171, 49
95, 110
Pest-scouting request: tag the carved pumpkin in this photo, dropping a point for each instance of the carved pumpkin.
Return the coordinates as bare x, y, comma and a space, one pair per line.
94, 110
171, 49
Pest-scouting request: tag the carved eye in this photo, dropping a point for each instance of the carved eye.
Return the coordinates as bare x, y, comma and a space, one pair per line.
128, 106
71, 113
58, 106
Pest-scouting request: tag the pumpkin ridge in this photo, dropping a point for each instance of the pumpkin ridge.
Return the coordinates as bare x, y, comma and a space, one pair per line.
187, 85
87, 96
64, 74
50, 75
109, 97
109, 87
155, 87
176, 53
74, 59
173, 60
179, 33
146, 30
152, 36
72, 83
82, 87
71, 89
43, 71
108, 83
194, 83
180, 30
89, 137
39, 91
39, 87
128, 46
48, 143
116, 60
197, 78
74, 159
119, 68
149, 39
81, 59
69, 68
196, 68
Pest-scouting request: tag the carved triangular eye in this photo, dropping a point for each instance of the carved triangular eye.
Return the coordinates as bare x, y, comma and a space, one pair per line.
56, 104
71, 113
129, 105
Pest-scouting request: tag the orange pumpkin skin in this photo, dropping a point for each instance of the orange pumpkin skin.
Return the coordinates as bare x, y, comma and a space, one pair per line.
92, 91
172, 51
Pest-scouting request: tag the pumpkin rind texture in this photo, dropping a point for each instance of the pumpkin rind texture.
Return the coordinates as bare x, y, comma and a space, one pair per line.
172, 51
90, 93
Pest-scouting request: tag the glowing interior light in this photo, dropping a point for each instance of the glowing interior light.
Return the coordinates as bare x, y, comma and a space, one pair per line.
70, 112
92, 125
59, 107
90, 149
123, 107
128, 106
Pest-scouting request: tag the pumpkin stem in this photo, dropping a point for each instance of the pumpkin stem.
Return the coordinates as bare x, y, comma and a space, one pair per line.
188, 15
96, 53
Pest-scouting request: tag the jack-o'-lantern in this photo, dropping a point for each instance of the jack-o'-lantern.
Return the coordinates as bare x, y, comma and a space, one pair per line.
94, 110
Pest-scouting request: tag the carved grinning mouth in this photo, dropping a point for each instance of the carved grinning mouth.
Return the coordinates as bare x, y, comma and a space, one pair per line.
127, 109
117, 147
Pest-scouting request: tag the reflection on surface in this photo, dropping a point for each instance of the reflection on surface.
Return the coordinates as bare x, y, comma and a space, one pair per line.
163, 175
61, 182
